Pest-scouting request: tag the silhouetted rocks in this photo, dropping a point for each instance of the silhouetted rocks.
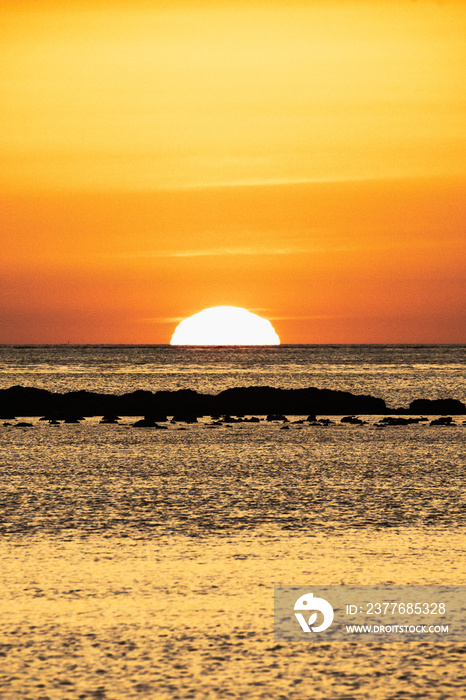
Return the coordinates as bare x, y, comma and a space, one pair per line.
266, 400
352, 420
397, 420
184, 418
110, 419
187, 405
439, 407
65, 417
73, 419
148, 422
228, 419
445, 420
156, 417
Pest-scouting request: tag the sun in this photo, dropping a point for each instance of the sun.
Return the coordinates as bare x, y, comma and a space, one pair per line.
225, 325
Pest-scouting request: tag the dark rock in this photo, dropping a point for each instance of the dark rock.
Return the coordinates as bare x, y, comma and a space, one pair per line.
73, 419
353, 420
148, 423
267, 400
110, 419
23, 425
445, 420
229, 419
397, 420
184, 418
70, 417
437, 407
182, 404
277, 416
157, 417
239, 402
36, 401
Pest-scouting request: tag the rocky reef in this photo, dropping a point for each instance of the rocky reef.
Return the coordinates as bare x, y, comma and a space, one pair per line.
30, 401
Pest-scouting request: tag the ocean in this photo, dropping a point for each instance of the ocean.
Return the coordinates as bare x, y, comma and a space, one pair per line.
139, 563
396, 373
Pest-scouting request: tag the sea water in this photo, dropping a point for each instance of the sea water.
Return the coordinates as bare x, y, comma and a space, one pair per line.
141, 563
396, 373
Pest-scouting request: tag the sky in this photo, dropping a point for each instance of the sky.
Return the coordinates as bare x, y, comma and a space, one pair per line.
304, 160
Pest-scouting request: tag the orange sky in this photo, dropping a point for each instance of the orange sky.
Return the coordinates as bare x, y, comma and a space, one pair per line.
305, 160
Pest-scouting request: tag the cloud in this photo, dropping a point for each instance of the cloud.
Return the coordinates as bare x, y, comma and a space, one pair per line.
162, 319
252, 250
169, 320
222, 251
305, 318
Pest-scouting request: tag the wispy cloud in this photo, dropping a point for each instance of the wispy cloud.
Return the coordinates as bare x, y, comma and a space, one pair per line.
261, 311
162, 319
222, 251
305, 318
252, 250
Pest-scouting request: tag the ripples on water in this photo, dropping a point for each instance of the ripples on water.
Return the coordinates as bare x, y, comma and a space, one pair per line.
140, 563
397, 374
118, 479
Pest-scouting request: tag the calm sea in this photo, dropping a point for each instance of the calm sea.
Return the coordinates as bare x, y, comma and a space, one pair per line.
139, 563
396, 373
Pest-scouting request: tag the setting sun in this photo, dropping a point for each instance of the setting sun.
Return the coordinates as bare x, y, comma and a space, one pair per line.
225, 325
